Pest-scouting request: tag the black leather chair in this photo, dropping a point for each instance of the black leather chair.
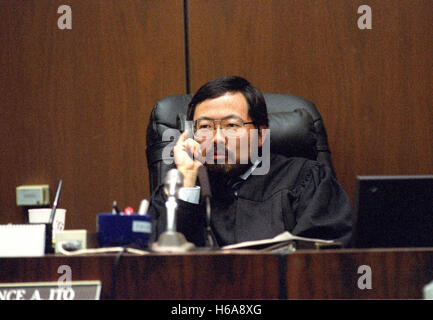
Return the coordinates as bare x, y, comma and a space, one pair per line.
296, 130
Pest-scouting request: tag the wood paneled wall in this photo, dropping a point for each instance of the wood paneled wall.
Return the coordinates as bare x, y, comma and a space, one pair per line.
374, 87
75, 103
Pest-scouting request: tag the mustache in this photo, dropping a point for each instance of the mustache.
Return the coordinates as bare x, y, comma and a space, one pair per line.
218, 149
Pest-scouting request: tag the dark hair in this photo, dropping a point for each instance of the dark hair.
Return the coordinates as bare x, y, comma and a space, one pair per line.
218, 87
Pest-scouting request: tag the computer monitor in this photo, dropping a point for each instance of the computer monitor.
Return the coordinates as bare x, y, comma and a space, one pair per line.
393, 211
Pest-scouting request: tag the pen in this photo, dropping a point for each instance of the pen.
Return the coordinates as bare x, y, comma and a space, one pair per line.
115, 209
144, 205
56, 199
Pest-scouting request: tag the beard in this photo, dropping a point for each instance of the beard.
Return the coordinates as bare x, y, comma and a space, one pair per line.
230, 167
227, 170
222, 177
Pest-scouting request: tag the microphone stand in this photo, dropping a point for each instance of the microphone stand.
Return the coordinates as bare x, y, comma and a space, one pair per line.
210, 239
207, 195
171, 240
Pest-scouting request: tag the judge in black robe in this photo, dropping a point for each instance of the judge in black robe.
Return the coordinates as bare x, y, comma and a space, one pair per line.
296, 195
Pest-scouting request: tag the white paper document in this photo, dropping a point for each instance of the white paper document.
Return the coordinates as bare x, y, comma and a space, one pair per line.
22, 240
281, 238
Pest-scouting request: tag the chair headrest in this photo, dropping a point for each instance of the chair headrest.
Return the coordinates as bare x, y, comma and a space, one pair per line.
292, 134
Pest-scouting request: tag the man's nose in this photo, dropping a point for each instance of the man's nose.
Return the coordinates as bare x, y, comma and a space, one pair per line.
218, 135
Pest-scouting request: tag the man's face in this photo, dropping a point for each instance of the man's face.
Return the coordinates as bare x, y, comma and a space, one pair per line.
226, 151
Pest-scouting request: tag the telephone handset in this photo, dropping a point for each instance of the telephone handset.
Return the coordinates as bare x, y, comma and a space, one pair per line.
188, 125
183, 124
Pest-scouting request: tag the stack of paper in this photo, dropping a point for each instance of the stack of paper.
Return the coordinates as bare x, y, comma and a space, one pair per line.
273, 243
22, 240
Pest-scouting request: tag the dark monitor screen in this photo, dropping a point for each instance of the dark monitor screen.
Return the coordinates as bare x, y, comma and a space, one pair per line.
393, 211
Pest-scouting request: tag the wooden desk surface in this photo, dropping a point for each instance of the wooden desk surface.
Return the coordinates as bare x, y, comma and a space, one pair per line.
308, 274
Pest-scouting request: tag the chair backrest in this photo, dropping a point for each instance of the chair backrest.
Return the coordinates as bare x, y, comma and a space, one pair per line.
296, 130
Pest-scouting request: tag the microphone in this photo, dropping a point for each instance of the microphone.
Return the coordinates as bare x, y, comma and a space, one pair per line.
171, 240
206, 193
173, 181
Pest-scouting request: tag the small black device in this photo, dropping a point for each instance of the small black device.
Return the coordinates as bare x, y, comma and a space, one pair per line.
393, 211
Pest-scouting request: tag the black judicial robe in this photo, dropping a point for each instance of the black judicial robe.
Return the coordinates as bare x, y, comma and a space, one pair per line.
297, 195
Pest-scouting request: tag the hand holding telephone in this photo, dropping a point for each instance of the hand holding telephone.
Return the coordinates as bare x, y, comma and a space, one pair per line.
187, 153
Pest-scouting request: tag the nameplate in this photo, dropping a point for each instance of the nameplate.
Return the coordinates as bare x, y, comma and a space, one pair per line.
75, 290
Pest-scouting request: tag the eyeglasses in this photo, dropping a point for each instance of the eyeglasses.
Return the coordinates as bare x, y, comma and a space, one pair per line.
207, 127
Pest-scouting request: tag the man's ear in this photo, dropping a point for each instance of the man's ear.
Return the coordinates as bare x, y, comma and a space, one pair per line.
263, 134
